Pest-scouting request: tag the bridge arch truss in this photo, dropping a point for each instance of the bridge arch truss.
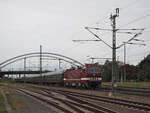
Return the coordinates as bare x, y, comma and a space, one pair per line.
54, 56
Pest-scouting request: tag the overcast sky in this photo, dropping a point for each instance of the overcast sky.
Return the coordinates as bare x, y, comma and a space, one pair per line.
27, 24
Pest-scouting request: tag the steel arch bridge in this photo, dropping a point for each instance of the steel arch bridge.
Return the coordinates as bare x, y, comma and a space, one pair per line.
55, 56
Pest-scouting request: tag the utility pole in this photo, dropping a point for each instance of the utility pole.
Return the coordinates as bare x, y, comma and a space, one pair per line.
59, 62
24, 69
114, 69
41, 62
124, 69
92, 60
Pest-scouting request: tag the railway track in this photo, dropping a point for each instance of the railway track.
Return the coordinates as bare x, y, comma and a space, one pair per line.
145, 92
129, 91
125, 87
51, 103
127, 103
75, 104
75, 96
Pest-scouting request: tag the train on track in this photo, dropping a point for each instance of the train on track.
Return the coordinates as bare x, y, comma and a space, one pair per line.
88, 76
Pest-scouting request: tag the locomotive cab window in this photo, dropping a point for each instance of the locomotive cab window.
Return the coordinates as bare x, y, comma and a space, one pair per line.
93, 71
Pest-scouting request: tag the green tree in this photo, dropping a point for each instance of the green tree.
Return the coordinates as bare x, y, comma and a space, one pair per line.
107, 71
144, 69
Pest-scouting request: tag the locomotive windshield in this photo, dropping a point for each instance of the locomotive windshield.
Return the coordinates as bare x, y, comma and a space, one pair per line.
93, 71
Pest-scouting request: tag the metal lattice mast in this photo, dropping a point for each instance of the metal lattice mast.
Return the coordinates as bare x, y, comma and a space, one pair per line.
114, 68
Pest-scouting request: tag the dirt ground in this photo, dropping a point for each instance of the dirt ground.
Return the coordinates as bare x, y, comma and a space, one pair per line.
27, 104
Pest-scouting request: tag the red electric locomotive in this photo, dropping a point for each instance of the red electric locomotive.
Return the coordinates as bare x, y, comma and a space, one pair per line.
88, 76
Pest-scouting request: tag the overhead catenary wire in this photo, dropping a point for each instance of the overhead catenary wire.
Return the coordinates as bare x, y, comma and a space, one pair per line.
133, 58
97, 37
129, 4
128, 32
85, 40
136, 43
98, 28
121, 8
124, 8
135, 20
136, 35
138, 54
129, 50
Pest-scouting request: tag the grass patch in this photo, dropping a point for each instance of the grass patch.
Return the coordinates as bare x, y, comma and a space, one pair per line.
12, 100
2, 84
130, 84
2, 105
15, 102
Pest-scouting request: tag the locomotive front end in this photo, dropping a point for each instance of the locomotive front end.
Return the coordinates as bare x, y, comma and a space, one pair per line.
94, 75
